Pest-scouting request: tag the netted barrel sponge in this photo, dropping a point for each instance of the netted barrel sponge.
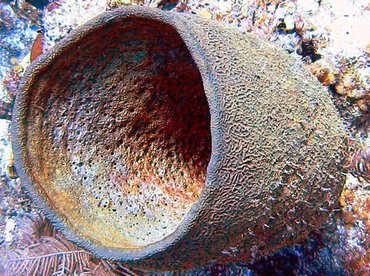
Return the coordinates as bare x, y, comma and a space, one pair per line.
163, 140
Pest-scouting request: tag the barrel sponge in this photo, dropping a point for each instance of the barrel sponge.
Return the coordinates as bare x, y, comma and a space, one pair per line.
163, 140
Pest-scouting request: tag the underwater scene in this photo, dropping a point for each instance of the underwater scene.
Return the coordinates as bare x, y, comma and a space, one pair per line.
169, 137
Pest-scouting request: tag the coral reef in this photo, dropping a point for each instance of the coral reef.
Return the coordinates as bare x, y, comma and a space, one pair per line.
319, 37
18, 26
63, 17
328, 35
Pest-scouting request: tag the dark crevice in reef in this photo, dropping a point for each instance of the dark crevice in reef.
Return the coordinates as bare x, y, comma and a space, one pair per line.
355, 121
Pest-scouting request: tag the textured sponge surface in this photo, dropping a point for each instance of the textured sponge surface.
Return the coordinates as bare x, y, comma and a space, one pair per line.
165, 140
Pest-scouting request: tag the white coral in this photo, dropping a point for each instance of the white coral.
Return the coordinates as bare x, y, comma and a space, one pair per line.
68, 15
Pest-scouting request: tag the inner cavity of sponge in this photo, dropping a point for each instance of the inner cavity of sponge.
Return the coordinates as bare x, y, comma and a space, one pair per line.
123, 134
